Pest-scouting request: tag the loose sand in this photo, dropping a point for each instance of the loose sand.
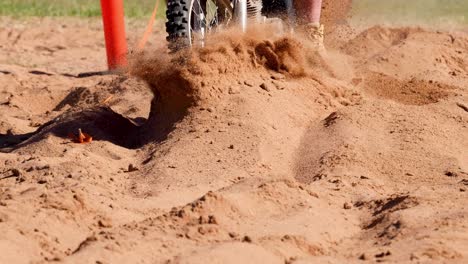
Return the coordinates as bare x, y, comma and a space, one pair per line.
251, 150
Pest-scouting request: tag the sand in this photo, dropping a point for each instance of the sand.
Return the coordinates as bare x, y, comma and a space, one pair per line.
253, 149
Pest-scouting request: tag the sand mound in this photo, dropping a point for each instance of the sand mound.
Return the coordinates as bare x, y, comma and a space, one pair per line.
190, 81
412, 92
405, 54
376, 40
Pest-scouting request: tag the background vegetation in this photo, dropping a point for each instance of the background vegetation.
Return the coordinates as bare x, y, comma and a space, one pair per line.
81, 8
412, 11
393, 11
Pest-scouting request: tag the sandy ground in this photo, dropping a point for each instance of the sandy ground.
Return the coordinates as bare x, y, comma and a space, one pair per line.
252, 150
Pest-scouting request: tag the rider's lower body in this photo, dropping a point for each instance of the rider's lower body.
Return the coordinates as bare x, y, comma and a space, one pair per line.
308, 13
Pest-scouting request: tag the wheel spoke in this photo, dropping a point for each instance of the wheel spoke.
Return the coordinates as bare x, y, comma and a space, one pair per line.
204, 19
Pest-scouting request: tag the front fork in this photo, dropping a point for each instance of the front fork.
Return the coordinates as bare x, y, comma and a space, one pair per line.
240, 13
199, 25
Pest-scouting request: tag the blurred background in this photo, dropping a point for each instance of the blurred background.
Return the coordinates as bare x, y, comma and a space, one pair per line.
398, 12
81, 8
403, 12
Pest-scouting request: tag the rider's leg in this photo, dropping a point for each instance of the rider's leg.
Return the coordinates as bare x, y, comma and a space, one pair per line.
308, 13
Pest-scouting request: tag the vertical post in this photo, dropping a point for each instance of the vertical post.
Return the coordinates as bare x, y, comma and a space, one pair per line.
114, 31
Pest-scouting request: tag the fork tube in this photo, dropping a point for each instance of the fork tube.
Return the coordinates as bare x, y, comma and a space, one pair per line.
291, 13
198, 26
240, 13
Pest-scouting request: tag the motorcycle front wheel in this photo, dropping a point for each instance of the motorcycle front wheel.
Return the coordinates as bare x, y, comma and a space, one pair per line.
190, 21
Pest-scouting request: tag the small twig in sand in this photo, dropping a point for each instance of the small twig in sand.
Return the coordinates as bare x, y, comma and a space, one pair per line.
36, 72
14, 174
6, 177
105, 101
85, 243
462, 106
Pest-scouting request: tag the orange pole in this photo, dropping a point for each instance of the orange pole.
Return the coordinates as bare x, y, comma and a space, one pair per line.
114, 31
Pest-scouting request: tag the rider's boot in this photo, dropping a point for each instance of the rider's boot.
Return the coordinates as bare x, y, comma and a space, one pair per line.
314, 32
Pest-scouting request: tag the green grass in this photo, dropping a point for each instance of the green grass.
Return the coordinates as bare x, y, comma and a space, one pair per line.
379, 11
412, 11
80, 8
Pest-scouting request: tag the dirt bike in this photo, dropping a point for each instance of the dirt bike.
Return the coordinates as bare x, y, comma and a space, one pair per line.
189, 22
